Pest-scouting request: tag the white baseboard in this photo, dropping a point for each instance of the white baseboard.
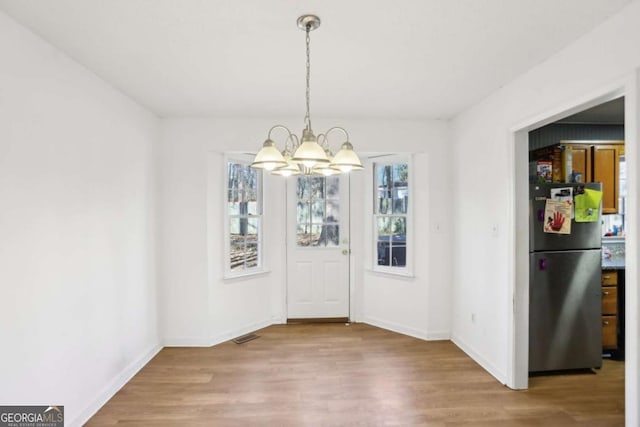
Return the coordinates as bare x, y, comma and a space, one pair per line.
187, 342
234, 333
113, 387
439, 336
406, 330
217, 338
479, 359
395, 327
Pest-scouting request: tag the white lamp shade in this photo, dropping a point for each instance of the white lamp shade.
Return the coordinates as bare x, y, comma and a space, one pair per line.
346, 159
325, 169
289, 169
309, 153
268, 157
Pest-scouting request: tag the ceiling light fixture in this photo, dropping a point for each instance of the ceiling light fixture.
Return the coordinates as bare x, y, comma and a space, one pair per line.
307, 155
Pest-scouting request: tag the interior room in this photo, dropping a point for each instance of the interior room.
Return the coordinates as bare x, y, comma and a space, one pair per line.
144, 226
576, 285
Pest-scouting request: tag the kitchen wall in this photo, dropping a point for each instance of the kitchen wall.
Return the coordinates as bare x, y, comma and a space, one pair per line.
200, 308
77, 267
489, 189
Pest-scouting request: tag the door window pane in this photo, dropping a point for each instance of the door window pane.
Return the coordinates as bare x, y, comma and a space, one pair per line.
316, 229
333, 211
317, 187
332, 184
318, 211
303, 212
330, 235
303, 189
303, 234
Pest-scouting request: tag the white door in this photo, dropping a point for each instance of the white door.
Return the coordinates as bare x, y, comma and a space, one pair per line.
318, 247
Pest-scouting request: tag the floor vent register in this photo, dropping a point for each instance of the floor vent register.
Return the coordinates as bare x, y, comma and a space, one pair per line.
243, 339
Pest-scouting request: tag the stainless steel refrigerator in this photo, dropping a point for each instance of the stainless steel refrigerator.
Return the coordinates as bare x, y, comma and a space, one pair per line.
565, 302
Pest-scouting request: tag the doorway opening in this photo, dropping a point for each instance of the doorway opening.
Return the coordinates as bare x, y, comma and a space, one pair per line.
519, 372
576, 285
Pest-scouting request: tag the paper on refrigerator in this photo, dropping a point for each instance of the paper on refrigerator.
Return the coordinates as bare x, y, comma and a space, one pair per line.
557, 214
564, 194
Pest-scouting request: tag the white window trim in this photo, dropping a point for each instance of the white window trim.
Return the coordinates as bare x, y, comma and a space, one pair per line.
259, 269
407, 270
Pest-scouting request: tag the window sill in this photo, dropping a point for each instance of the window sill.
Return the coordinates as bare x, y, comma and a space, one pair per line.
245, 276
396, 275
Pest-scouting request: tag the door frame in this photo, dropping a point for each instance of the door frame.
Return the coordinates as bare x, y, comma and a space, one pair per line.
350, 266
518, 241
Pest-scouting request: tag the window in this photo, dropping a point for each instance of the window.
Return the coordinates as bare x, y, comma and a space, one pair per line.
318, 211
391, 216
244, 219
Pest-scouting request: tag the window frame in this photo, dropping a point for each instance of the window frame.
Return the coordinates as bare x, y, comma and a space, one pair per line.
382, 161
259, 268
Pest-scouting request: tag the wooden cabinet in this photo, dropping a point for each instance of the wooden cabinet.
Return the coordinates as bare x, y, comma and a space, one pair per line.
609, 332
609, 277
606, 160
609, 309
599, 161
581, 161
609, 300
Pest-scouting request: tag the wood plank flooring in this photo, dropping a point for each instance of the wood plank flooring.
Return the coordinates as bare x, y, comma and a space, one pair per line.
335, 375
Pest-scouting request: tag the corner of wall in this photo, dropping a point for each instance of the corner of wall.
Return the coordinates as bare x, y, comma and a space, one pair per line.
114, 386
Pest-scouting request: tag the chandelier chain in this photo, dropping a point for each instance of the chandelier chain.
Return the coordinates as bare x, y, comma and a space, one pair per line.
307, 117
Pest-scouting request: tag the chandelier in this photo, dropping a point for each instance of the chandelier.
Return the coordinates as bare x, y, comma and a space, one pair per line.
309, 155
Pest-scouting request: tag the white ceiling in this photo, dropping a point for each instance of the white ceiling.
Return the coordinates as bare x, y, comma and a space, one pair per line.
370, 58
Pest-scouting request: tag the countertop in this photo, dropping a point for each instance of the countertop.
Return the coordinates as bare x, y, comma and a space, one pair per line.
613, 264
613, 253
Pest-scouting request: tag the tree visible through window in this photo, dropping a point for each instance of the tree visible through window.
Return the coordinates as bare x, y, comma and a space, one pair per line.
244, 213
390, 213
318, 211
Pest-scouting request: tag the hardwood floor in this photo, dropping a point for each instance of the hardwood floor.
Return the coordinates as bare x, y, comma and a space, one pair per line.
333, 375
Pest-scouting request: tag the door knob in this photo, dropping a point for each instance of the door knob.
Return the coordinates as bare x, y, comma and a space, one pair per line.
345, 252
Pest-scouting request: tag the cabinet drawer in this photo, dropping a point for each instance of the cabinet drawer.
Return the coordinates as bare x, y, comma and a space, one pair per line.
609, 332
609, 277
609, 300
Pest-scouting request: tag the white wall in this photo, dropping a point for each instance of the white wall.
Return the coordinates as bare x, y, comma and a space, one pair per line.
417, 305
77, 281
599, 63
201, 308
